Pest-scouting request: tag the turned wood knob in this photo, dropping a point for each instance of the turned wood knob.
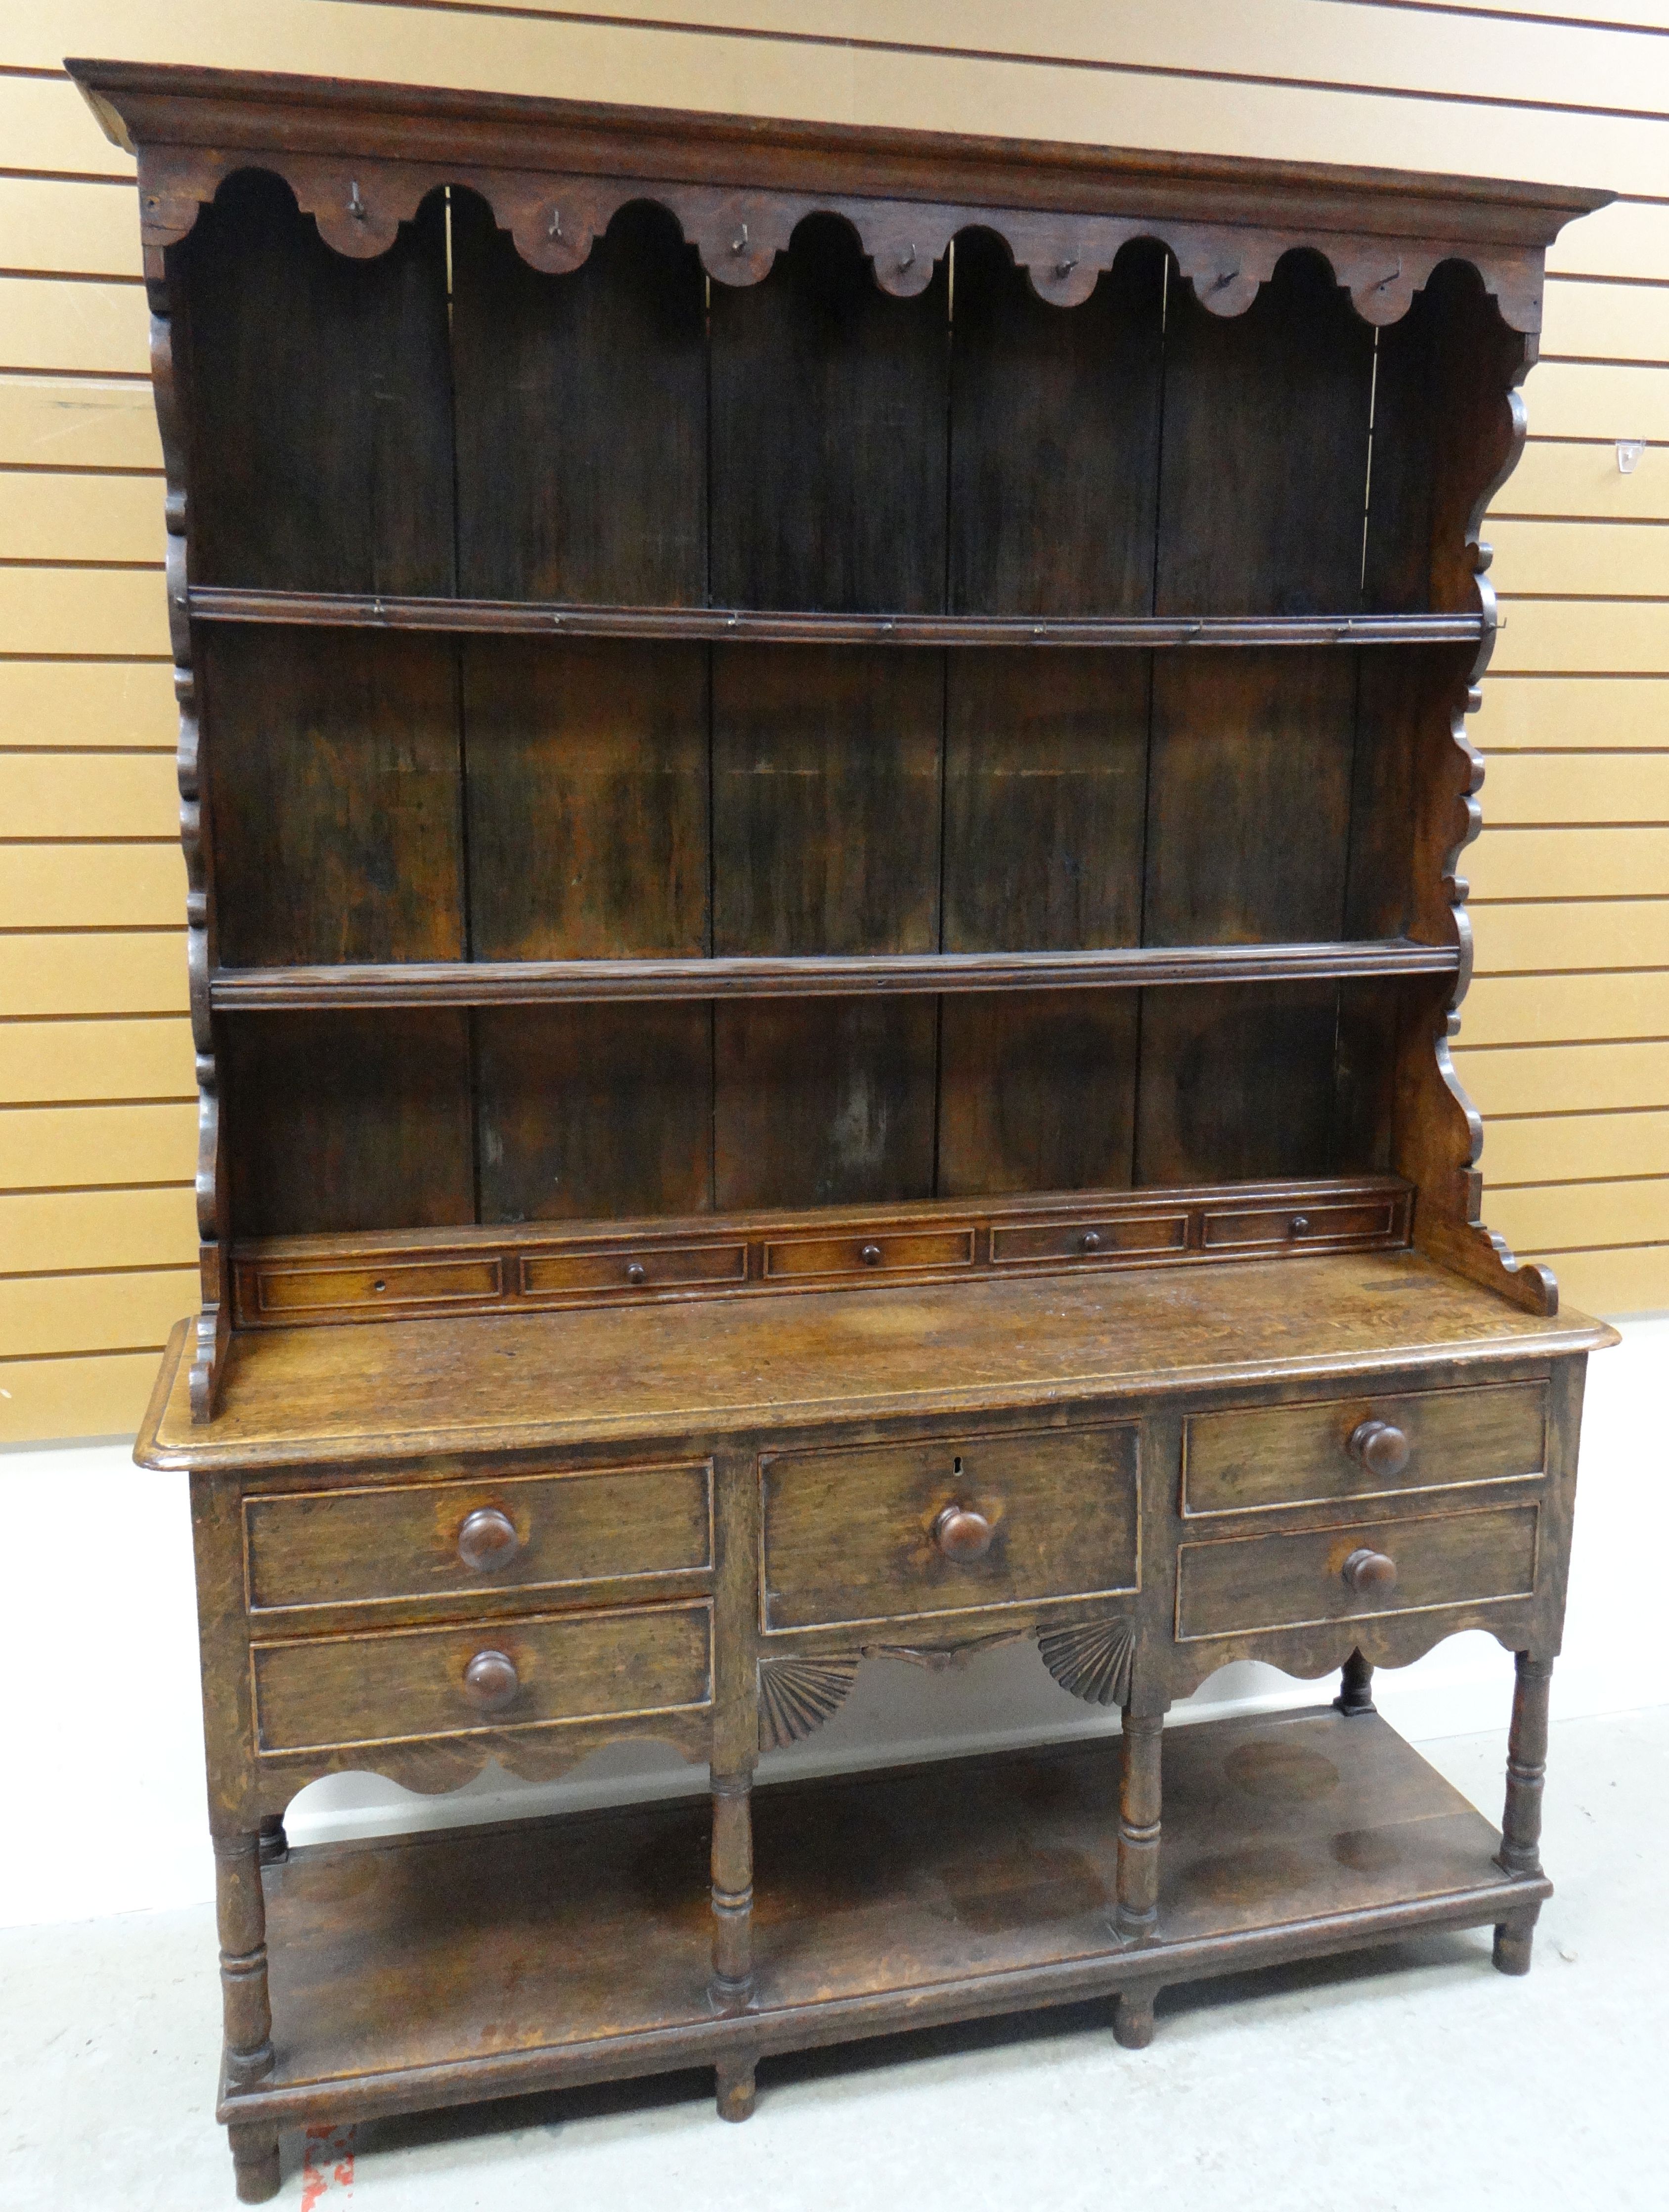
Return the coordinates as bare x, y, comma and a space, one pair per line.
870, 1256
1381, 1446
1301, 1222
488, 1539
637, 1273
1367, 1571
961, 1533
1090, 1241
490, 1680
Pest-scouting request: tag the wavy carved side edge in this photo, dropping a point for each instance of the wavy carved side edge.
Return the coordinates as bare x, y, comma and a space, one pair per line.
360, 203
1459, 1237
214, 1323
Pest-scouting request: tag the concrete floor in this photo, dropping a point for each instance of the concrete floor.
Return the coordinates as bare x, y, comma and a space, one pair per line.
1410, 2080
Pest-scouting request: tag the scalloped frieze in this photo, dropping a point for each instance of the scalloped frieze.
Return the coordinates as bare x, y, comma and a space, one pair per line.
1093, 1660
799, 1695
359, 206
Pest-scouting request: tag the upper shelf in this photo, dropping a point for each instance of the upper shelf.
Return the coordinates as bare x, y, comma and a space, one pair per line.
508, 983
355, 611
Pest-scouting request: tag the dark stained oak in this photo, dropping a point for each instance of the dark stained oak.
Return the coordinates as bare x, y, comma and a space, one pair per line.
823, 781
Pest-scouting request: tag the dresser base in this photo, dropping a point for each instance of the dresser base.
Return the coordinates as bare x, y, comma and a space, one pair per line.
484, 1962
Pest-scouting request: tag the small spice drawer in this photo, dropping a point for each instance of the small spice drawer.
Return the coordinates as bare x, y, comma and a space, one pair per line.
1354, 1570
304, 1291
894, 1532
861, 1253
1239, 1460
437, 1540
334, 1692
1091, 1238
633, 1267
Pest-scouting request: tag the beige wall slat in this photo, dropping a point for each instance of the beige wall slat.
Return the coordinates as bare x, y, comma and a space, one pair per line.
91, 886
50, 1147
1602, 713
102, 1395
88, 703
1607, 322
88, 795
67, 1230
45, 124
90, 972
89, 230
1579, 1215
61, 323
78, 422
45, 516
1633, 1280
1525, 864
1598, 399
1559, 476
1573, 787
52, 1062
1628, 239
1545, 935
1568, 637
1571, 1079
1623, 560
1533, 1009
1568, 1147
93, 1313
92, 610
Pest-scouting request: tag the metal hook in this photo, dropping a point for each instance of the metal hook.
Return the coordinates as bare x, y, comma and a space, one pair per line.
555, 230
909, 256
1065, 268
739, 244
1224, 276
356, 206
1391, 278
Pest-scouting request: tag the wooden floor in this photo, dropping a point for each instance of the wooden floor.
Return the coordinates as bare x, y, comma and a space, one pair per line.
480, 1961
373, 1390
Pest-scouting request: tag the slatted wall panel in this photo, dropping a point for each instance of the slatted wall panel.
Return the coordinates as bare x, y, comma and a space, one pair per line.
1566, 1042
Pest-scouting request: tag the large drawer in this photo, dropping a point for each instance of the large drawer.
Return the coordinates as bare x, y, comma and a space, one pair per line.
894, 1532
320, 1547
1362, 1447
331, 1692
1298, 1581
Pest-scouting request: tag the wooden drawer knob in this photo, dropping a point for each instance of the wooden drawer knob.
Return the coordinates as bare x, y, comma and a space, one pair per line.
1367, 1571
488, 1539
636, 1274
961, 1533
869, 1254
1381, 1446
1090, 1241
490, 1680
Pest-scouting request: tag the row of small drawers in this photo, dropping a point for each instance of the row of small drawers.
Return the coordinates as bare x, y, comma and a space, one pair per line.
877, 1534
279, 1289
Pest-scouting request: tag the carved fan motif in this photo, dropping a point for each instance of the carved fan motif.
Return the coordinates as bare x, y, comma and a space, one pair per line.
799, 1695
1093, 1660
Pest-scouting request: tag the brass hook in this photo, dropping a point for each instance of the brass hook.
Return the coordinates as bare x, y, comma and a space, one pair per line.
356, 206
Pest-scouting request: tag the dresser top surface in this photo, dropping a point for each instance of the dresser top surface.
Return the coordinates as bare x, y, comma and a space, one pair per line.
383, 1390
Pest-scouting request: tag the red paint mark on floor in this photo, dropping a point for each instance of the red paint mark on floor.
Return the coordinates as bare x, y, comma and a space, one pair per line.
327, 2166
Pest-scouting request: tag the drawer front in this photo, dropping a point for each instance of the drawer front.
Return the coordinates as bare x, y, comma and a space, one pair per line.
1089, 1239
861, 1536
455, 1538
280, 1289
1297, 1581
332, 1692
632, 1267
860, 1253
1283, 1228
1236, 1462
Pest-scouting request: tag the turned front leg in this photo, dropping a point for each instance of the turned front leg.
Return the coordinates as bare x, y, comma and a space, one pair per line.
1520, 1822
1136, 1914
1356, 1685
246, 2009
733, 1929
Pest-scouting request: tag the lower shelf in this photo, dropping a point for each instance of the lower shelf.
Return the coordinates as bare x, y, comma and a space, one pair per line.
483, 1962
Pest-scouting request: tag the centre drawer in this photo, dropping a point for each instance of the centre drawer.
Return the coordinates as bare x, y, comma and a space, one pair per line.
394, 1685
1241, 1459
896, 1532
429, 1540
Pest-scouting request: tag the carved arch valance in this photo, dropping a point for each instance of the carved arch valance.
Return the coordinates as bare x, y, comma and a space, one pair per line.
361, 159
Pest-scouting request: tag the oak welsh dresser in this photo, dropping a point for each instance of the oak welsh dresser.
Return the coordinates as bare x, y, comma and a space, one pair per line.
823, 776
